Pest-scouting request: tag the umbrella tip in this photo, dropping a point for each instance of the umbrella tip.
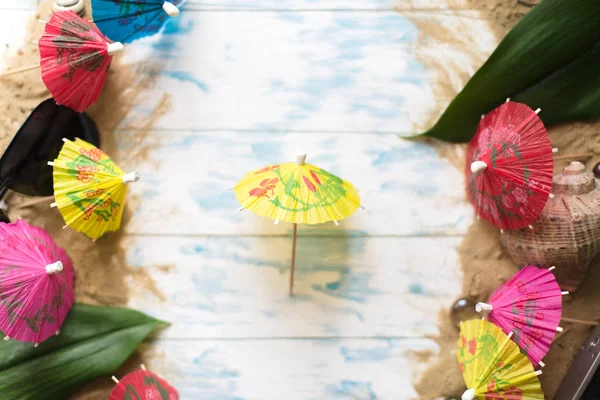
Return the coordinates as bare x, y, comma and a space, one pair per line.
54, 267
171, 9
483, 308
115, 47
301, 158
469, 395
131, 177
478, 166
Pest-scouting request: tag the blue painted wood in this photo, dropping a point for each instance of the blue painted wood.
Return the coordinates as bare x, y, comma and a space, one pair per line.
404, 185
312, 369
253, 86
344, 286
299, 71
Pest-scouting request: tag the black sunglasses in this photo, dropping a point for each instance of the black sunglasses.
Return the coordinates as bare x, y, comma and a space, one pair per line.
24, 165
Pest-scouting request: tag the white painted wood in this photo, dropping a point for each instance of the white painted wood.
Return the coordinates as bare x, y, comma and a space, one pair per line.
406, 187
344, 287
305, 71
347, 369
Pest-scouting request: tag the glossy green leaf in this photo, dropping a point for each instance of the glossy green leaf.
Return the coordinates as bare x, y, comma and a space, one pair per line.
94, 342
550, 60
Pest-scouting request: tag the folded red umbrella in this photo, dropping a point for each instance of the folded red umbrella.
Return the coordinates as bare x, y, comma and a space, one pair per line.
509, 166
75, 58
143, 385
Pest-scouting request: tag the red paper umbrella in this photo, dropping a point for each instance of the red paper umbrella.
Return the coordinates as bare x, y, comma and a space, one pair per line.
509, 166
143, 385
75, 58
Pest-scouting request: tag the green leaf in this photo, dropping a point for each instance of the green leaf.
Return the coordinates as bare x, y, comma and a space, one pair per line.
550, 60
94, 342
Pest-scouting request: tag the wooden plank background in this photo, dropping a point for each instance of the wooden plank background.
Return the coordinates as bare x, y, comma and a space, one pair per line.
253, 83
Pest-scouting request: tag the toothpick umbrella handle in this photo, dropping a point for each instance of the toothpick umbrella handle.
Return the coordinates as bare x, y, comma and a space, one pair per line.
131, 177
54, 267
171, 9
301, 158
478, 166
469, 395
114, 48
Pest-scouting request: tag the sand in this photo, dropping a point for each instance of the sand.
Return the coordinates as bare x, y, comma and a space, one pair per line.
484, 264
102, 273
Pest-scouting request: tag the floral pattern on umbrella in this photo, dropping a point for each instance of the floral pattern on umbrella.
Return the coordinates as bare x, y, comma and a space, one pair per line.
509, 166
75, 58
128, 20
36, 283
297, 194
529, 305
493, 366
89, 189
143, 385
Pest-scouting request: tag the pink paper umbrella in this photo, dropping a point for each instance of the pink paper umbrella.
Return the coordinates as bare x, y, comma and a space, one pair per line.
530, 306
36, 283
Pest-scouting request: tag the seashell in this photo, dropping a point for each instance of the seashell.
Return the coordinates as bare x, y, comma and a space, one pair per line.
567, 232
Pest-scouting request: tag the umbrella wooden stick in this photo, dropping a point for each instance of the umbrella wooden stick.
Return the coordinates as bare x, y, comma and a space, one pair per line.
293, 259
19, 70
33, 202
575, 156
580, 321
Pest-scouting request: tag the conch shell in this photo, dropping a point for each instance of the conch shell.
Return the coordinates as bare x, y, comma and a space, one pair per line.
567, 232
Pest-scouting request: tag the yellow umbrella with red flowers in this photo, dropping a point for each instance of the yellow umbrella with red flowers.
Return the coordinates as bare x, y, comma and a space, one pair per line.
298, 193
493, 366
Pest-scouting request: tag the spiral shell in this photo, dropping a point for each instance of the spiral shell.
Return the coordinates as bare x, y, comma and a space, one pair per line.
567, 232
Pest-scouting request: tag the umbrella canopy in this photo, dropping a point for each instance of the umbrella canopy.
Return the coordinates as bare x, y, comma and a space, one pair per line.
127, 20
36, 283
297, 192
509, 166
492, 365
530, 306
75, 58
143, 385
89, 188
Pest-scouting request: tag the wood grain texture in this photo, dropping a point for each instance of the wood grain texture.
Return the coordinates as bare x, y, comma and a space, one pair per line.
252, 83
404, 185
314, 72
344, 287
312, 369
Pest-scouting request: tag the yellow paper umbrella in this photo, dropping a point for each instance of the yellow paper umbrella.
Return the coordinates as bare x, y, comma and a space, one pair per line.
89, 188
493, 365
298, 193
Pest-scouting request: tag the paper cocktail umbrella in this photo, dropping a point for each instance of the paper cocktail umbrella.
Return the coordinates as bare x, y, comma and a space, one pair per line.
75, 58
143, 385
509, 166
493, 366
298, 193
530, 306
89, 188
36, 283
128, 20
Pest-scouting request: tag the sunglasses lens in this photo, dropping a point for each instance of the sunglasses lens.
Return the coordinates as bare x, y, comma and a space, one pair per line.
4, 217
24, 166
